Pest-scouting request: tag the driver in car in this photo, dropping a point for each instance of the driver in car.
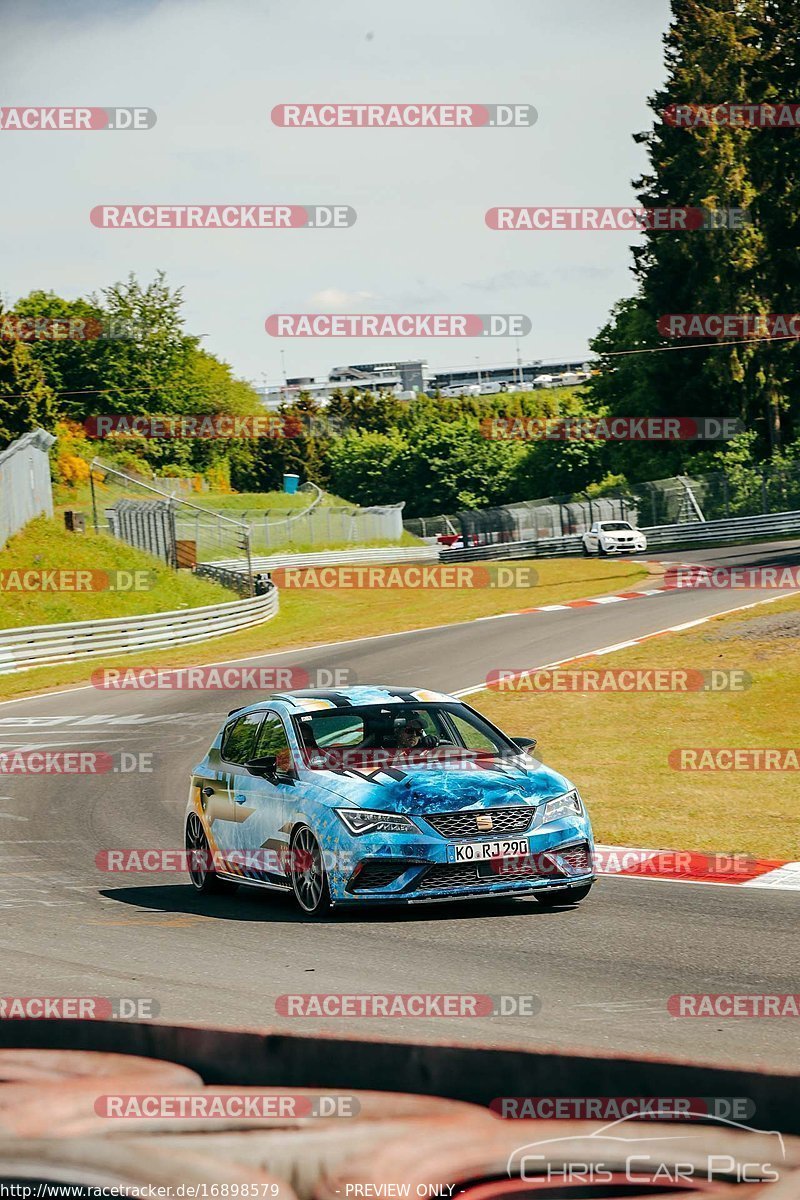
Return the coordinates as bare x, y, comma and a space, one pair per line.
410, 734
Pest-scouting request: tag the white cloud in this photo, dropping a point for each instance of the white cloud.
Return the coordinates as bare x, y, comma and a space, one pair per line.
330, 298
420, 196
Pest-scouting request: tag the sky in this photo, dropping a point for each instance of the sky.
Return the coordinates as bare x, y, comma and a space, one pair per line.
214, 69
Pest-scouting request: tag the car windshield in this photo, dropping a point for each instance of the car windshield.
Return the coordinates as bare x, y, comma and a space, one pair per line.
376, 733
617, 525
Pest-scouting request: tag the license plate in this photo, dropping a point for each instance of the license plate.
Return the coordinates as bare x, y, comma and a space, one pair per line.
481, 851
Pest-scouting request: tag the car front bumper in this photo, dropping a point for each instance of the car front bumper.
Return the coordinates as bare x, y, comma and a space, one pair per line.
625, 547
407, 869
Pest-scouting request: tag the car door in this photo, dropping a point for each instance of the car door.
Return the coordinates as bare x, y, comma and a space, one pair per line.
230, 800
275, 799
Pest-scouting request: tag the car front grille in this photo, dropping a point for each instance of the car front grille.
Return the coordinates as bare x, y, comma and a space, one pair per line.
378, 873
553, 865
577, 859
455, 875
463, 824
451, 876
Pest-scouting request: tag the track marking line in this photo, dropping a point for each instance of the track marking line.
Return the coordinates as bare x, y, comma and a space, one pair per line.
286, 651
483, 687
789, 887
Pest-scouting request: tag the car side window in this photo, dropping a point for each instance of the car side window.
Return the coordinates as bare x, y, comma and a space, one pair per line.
239, 739
472, 738
272, 740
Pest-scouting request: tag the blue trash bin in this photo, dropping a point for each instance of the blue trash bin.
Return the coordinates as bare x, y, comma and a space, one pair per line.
290, 483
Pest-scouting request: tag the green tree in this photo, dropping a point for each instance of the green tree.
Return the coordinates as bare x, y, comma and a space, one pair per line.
26, 400
775, 167
717, 51
143, 362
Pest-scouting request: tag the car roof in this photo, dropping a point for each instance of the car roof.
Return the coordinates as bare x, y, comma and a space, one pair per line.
317, 699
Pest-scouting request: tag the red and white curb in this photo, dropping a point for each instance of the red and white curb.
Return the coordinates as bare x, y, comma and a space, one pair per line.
593, 600
639, 594
690, 866
676, 866
587, 603
646, 637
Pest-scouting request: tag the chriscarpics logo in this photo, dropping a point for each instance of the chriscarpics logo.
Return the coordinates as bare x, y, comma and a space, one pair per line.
626, 1157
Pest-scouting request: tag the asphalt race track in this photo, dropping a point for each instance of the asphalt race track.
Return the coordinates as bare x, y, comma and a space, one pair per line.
604, 971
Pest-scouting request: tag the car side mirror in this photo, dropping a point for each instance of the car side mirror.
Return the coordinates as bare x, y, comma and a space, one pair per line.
525, 743
265, 767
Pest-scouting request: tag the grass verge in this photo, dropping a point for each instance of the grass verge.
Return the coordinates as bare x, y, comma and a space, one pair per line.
80, 497
259, 550
44, 545
615, 747
313, 617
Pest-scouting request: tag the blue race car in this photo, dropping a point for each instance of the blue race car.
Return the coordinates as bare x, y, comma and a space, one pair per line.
379, 794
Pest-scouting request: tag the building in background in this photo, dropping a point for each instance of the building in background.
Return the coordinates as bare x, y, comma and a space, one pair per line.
406, 379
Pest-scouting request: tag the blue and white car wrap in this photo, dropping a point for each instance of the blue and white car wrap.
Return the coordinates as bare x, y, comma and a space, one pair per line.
467, 814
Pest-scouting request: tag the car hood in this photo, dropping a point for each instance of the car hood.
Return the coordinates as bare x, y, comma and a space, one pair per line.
423, 789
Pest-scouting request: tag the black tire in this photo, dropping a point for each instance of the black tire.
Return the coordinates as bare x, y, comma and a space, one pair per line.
204, 880
307, 873
586, 552
566, 898
601, 551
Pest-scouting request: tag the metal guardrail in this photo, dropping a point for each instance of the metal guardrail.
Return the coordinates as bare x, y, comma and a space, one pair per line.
662, 537
734, 529
44, 645
231, 571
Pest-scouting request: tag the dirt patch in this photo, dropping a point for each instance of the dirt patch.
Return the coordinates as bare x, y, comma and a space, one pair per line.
771, 626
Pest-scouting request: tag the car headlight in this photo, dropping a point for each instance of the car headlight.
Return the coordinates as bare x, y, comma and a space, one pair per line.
360, 820
563, 806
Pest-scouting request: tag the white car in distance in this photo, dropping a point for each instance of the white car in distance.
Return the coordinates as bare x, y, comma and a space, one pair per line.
613, 537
